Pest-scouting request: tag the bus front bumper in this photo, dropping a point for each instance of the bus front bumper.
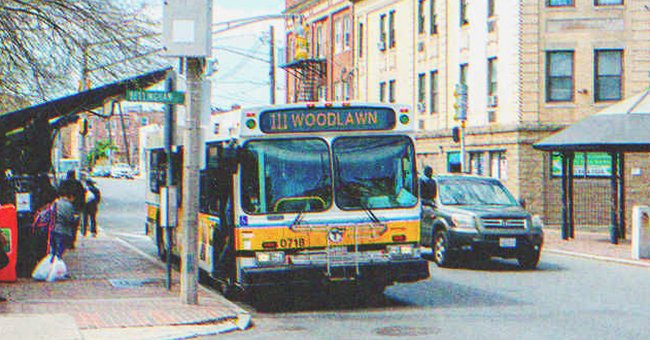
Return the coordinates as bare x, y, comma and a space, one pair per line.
387, 273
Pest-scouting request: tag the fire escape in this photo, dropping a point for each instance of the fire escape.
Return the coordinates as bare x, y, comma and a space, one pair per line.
309, 74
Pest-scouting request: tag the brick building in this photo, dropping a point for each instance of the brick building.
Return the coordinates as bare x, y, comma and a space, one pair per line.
531, 67
319, 56
135, 117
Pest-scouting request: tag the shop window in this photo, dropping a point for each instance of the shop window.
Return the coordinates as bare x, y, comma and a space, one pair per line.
453, 162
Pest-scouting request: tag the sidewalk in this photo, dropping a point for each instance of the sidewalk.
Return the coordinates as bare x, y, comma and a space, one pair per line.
116, 292
595, 245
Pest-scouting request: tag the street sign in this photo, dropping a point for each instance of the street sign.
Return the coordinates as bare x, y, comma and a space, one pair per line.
173, 97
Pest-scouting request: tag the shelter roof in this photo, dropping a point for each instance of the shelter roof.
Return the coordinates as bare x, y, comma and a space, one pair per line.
622, 127
78, 102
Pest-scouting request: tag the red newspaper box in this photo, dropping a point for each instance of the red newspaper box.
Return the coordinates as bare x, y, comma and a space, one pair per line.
9, 227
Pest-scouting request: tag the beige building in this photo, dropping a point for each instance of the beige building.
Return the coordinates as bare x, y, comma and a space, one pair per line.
531, 67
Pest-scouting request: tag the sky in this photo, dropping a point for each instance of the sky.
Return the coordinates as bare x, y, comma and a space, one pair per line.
241, 77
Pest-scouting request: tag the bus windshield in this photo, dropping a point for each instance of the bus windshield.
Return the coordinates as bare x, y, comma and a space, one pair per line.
374, 172
283, 176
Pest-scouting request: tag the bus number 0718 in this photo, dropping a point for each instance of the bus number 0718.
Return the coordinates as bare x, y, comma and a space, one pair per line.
292, 243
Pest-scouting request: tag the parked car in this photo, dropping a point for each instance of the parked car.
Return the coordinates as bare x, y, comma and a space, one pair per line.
121, 170
101, 171
479, 216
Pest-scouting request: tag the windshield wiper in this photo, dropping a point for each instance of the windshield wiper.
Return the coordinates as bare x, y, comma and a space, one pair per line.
298, 218
370, 214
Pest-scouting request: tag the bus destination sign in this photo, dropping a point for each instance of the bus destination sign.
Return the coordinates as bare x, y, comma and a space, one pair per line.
327, 119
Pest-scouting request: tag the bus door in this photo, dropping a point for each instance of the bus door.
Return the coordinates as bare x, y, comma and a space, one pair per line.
216, 195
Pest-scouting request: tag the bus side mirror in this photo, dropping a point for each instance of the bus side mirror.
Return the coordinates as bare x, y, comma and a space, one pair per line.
231, 159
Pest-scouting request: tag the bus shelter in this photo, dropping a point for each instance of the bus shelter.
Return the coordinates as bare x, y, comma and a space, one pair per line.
26, 137
621, 128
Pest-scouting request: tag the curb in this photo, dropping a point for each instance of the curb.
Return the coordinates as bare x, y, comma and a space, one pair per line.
242, 319
598, 257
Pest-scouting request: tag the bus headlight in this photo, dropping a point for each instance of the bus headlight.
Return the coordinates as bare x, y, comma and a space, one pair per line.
269, 257
403, 250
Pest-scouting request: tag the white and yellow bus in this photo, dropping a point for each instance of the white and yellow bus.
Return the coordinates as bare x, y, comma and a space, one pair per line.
304, 195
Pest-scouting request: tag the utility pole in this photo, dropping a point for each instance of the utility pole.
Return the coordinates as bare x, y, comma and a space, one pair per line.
84, 86
189, 261
170, 85
272, 59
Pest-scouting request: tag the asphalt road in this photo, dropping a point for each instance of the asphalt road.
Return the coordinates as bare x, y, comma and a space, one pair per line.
567, 298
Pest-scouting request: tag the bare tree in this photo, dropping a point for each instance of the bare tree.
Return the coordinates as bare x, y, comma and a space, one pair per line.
48, 46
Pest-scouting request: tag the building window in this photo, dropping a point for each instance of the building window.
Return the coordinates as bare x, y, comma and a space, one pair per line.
433, 26
585, 164
382, 32
382, 91
498, 165
559, 3
453, 162
319, 42
347, 32
462, 77
422, 88
360, 41
391, 91
322, 93
559, 76
609, 74
492, 81
391, 29
420, 16
346, 91
337, 92
433, 79
144, 121
338, 39
607, 2
463, 13
490, 8
477, 163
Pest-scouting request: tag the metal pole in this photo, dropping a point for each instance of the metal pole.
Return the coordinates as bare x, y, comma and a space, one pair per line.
189, 262
462, 146
621, 195
565, 203
613, 229
83, 87
272, 70
570, 201
169, 140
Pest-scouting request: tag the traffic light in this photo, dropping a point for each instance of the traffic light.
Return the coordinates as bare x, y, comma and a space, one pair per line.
460, 104
455, 134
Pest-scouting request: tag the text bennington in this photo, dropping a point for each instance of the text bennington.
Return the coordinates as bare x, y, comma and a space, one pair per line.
328, 119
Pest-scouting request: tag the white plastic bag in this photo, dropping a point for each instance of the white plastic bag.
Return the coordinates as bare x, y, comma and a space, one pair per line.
58, 270
43, 268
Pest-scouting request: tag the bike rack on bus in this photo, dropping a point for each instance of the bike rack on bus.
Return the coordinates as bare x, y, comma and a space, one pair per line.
335, 254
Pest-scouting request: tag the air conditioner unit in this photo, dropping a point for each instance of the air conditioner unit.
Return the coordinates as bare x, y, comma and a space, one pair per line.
492, 101
420, 46
381, 45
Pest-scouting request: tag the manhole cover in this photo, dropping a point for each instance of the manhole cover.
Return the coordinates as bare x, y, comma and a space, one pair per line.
133, 283
402, 331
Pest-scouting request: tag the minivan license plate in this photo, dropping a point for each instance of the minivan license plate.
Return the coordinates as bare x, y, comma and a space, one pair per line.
507, 242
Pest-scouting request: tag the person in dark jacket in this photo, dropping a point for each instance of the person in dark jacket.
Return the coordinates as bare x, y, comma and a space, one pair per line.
78, 203
93, 197
67, 219
428, 186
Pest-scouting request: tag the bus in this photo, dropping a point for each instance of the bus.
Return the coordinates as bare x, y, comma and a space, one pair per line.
303, 195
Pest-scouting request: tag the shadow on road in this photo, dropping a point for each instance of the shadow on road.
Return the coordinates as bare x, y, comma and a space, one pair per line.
498, 265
